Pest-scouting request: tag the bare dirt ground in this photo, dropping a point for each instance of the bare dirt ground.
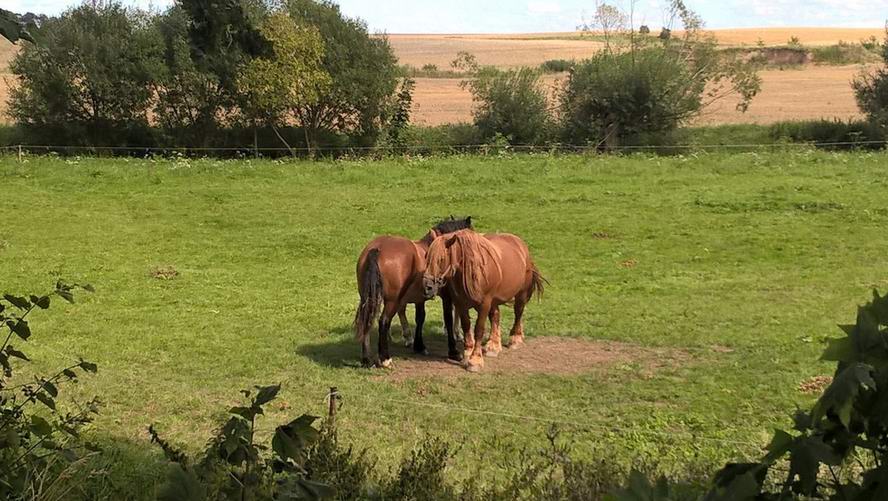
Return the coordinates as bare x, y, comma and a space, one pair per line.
799, 94
544, 355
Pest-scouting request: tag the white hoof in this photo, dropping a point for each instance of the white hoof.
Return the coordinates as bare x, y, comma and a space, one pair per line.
386, 364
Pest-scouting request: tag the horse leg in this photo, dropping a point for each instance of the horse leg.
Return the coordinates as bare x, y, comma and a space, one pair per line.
476, 359
418, 343
516, 335
405, 327
465, 322
385, 323
452, 352
365, 351
495, 344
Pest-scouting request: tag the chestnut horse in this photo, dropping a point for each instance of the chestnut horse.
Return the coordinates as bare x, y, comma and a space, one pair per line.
390, 271
483, 272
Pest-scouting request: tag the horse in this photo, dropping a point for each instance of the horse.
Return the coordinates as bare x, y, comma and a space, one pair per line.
482, 272
389, 272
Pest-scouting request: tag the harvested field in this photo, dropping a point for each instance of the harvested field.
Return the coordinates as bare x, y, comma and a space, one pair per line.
810, 93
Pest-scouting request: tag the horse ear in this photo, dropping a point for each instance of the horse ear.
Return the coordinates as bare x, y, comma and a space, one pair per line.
434, 233
469, 221
449, 243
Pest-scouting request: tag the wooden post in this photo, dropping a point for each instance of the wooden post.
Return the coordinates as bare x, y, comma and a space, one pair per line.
334, 398
20, 153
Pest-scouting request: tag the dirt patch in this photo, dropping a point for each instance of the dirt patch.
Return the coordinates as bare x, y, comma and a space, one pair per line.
558, 356
815, 385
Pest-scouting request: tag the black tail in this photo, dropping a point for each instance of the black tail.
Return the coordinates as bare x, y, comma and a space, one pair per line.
370, 290
537, 284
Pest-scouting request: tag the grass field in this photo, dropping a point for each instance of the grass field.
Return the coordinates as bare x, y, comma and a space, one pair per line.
705, 283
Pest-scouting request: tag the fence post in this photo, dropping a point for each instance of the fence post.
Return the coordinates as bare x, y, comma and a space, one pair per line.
334, 398
20, 153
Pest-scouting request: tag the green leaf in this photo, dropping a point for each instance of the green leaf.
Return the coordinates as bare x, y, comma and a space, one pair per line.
181, 485
840, 350
51, 388
267, 394
66, 295
88, 366
42, 302
20, 328
69, 374
841, 395
12, 352
285, 446
19, 302
779, 446
40, 426
806, 456
315, 490
45, 400
88, 288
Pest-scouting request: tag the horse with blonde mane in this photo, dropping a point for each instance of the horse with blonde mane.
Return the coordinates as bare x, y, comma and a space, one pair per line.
389, 272
483, 272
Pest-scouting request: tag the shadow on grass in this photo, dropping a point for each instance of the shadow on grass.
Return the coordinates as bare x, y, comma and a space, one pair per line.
124, 469
342, 350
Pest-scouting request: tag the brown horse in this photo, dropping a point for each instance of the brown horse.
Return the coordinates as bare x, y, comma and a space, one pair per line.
390, 271
483, 272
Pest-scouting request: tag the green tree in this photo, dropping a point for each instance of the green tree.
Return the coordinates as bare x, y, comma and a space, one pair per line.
871, 90
644, 86
363, 70
13, 28
510, 103
191, 103
289, 78
91, 77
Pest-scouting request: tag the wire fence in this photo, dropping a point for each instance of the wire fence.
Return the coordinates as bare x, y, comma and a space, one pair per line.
418, 149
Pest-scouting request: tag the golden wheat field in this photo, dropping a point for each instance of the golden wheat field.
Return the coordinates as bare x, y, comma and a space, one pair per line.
807, 93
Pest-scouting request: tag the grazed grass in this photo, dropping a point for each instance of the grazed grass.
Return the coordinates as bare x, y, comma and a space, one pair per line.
746, 262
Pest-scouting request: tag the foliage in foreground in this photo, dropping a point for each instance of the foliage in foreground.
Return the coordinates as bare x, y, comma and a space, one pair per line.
40, 442
237, 466
871, 90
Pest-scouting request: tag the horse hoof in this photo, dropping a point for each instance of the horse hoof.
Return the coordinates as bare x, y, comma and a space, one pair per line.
491, 353
516, 343
474, 368
386, 364
456, 357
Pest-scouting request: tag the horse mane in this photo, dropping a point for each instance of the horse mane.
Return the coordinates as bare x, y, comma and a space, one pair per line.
466, 252
451, 225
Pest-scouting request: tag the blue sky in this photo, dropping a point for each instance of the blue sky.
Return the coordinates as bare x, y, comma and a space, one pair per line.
513, 16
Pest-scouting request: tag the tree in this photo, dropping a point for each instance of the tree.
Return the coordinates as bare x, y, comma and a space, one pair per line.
640, 85
871, 91
14, 28
363, 70
289, 78
91, 76
191, 102
511, 103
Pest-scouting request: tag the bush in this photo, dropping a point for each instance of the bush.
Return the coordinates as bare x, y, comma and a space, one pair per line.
40, 444
837, 449
871, 91
843, 54
509, 103
650, 87
90, 81
853, 134
234, 467
557, 66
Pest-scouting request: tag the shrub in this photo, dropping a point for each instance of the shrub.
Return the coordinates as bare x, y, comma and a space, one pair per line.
90, 80
234, 467
837, 449
40, 443
650, 87
509, 103
830, 134
557, 66
871, 91
842, 54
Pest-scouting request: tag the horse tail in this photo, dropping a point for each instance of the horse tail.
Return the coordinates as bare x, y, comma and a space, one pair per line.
537, 283
370, 289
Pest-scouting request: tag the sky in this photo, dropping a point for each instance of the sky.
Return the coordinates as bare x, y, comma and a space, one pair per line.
521, 16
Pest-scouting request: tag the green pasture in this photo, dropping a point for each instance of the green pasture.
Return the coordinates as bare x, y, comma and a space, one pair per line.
741, 265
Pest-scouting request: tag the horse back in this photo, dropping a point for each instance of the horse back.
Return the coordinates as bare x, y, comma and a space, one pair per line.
400, 265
